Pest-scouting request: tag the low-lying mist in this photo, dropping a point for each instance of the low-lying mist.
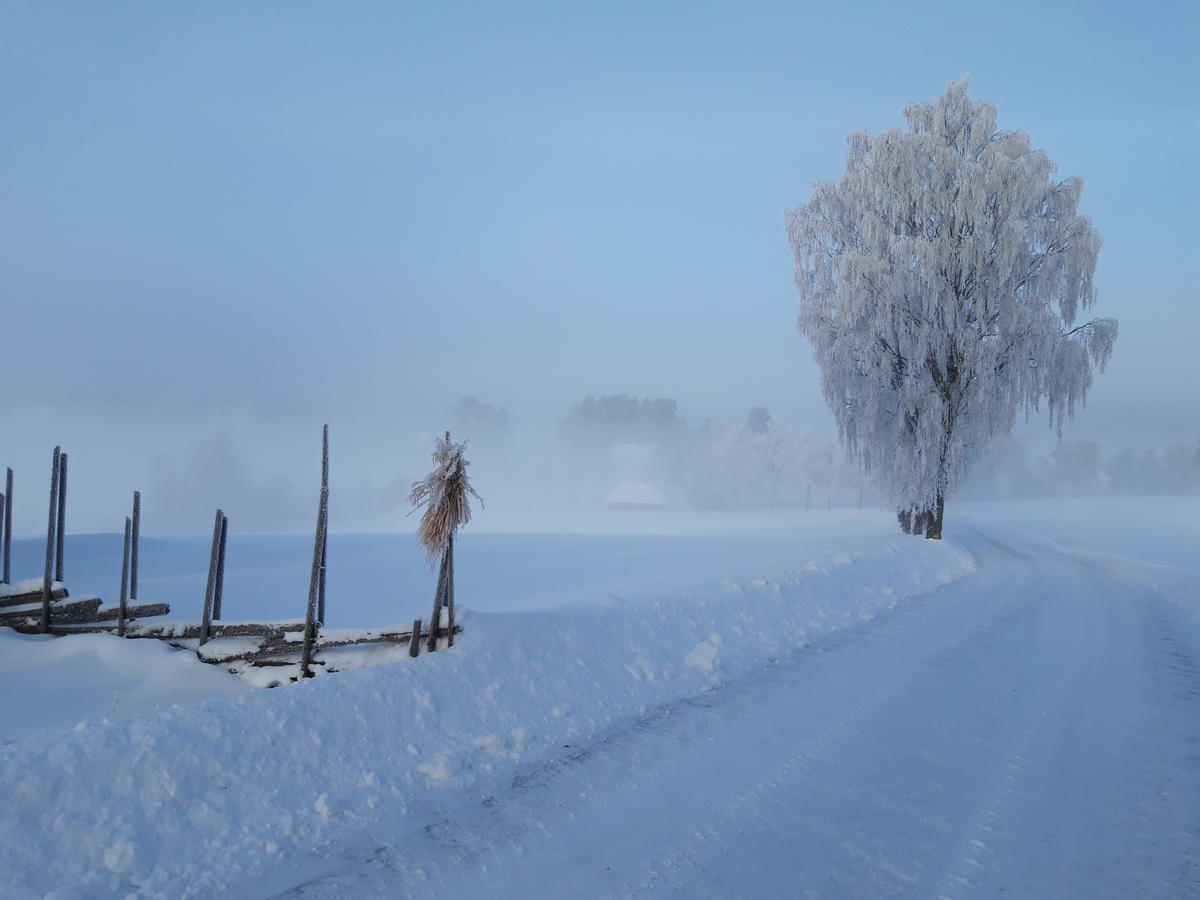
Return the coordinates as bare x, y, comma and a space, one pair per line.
647, 457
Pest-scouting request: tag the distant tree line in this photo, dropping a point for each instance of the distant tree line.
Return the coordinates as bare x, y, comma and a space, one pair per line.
1085, 469
753, 462
479, 420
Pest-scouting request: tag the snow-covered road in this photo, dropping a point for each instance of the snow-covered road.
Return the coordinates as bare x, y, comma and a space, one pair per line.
1032, 730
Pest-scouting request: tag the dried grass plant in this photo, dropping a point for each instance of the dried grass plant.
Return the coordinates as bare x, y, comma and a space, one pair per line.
445, 493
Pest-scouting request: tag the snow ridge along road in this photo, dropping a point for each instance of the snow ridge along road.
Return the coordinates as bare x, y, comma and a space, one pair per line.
210, 798
1032, 730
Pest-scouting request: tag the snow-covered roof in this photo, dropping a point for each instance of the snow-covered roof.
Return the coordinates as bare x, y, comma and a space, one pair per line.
634, 495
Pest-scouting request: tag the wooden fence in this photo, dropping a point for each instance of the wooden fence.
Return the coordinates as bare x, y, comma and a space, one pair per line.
44, 606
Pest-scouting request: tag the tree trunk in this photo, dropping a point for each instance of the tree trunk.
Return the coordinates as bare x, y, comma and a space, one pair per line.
904, 516
933, 529
918, 522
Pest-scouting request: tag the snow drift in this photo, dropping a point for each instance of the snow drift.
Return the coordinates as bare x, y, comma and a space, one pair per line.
193, 801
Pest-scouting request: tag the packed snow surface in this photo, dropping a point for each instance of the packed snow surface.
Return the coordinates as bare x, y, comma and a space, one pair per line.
865, 715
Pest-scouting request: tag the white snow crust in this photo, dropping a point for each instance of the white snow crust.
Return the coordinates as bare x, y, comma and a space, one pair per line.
129, 795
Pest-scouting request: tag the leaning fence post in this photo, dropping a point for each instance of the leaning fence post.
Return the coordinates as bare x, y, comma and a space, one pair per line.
310, 612
219, 589
49, 570
316, 581
8, 507
414, 640
62, 516
450, 594
438, 598
135, 540
123, 609
446, 495
325, 531
206, 619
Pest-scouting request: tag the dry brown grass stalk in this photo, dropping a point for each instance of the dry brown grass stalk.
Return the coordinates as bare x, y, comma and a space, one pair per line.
445, 493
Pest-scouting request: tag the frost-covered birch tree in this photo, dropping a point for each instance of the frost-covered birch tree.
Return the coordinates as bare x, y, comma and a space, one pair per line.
941, 282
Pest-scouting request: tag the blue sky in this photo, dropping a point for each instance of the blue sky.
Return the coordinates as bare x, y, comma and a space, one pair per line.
252, 218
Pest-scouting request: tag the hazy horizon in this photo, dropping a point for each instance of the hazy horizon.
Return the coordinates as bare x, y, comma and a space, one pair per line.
226, 225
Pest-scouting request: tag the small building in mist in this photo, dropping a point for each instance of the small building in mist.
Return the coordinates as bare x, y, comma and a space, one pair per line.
633, 486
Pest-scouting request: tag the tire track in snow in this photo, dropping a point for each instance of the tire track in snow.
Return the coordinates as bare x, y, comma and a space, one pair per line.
634, 754
1080, 810
1173, 787
945, 748
890, 877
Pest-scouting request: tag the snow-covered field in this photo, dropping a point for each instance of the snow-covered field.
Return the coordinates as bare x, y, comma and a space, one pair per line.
383, 579
1157, 530
451, 775
506, 563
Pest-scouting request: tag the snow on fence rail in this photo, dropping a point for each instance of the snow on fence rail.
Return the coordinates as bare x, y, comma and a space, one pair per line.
44, 606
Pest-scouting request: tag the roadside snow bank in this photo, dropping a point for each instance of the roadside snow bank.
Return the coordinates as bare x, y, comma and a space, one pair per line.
53, 683
193, 801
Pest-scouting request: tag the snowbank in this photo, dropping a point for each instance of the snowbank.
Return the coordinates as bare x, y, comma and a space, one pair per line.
52, 683
194, 801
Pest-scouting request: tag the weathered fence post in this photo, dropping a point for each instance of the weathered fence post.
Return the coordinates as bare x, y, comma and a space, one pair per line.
219, 590
316, 581
325, 533
414, 640
446, 495
8, 507
50, 542
450, 595
62, 517
439, 597
134, 542
310, 613
123, 609
210, 588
